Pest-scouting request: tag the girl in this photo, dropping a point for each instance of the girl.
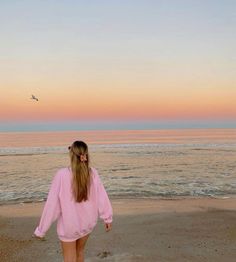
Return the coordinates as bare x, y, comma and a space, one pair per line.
76, 198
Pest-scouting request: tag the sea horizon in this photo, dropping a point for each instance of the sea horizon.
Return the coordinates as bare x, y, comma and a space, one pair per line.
87, 125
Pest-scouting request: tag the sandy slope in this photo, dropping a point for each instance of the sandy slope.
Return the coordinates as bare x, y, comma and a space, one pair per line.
179, 230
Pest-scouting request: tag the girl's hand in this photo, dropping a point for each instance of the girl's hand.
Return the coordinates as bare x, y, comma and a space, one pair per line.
108, 227
37, 237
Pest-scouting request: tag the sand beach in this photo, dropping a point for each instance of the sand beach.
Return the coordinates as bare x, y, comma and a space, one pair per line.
189, 229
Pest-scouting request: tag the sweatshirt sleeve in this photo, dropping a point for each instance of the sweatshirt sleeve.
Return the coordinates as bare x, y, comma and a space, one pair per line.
51, 209
104, 205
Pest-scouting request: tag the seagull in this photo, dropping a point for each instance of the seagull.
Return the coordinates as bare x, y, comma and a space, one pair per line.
35, 98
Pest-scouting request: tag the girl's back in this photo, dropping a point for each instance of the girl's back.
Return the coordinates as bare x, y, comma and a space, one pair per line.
75, 219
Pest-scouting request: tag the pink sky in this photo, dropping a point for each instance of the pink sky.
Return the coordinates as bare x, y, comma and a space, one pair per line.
110, 60
128, 103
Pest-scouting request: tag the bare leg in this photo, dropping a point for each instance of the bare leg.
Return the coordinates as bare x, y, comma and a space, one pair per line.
69, 251
80, 246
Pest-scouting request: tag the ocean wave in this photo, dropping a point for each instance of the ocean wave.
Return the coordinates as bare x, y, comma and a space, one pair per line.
8, 151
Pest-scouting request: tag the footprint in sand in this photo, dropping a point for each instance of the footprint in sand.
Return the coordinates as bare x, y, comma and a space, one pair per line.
104, 254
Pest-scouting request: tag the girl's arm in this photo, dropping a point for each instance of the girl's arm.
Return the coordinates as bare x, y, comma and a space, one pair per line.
104, 204
51, 209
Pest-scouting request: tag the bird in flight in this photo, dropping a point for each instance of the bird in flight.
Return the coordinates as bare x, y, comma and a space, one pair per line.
35, 98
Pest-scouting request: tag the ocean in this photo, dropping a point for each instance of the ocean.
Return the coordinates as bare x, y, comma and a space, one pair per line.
131, 163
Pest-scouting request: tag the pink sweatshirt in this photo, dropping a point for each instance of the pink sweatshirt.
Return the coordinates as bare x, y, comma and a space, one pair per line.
74, 220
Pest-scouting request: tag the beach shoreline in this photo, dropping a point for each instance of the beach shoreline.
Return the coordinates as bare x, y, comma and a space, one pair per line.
186, 229
131, 198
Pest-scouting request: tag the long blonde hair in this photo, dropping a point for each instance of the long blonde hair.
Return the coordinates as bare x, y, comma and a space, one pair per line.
79, 159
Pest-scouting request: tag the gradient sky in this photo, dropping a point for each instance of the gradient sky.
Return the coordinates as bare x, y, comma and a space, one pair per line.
118, 60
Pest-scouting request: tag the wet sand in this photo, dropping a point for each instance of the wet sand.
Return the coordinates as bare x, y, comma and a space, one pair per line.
192, 229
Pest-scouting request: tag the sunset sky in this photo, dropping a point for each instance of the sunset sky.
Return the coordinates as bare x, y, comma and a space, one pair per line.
113, 61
